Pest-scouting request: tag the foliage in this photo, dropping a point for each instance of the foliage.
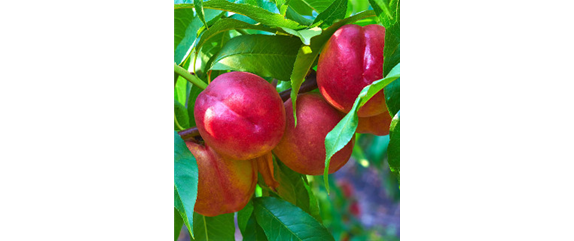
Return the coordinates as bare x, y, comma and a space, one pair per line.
281, 40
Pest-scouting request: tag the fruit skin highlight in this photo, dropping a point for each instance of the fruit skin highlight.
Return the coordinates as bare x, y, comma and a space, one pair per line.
377, 125
303, 148
240, 115
351, 60
224, 186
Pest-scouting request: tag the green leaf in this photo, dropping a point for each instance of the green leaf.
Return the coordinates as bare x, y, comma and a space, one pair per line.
344, 131
185, 30
253, 231
306, 7
185, 181
199, 11
195, 91
220, 227
282, 220
393, 96
392, 50
388, 12
210, 48
304, 60
180, 89
243, 216
293, 15
256, 13
394, 149
248, 225
264, 55
314, 208
178, 223
181, 115
335, 11
292, 187
299, 7
265, 4
227, 24
184, 33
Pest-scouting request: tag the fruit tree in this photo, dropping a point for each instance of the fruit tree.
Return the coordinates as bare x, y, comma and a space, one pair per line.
272, 99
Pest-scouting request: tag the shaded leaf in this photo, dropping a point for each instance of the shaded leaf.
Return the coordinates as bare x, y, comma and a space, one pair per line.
250, 230
264, 55
177, 223
292, 187
335, 11
220, 227
181, 115
393, 96
253, 231
293, 15
195, 91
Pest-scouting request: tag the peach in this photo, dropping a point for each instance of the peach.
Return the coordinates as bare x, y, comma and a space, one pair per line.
240, 115
224, 186
303, 148
351, 60
377, 125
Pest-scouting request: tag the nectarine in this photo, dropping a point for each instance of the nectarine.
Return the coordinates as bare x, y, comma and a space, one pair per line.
351, 60
224, 186
240, 115
302, 148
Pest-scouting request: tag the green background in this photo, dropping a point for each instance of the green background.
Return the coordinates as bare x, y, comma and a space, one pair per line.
486, 140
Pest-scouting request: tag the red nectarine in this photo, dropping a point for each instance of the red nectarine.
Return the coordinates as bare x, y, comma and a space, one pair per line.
351, 60
224, 186
302, 148
240, 115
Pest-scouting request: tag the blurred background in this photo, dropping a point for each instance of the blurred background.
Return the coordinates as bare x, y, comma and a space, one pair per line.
364, 202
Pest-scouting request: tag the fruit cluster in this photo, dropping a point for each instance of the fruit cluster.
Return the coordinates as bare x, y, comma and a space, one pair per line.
242, 120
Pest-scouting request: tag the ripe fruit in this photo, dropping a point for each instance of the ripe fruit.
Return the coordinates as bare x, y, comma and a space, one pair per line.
224, 186
351, 60
303, 148
240, 115
377, 125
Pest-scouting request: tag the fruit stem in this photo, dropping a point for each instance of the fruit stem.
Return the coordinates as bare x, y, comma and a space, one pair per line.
189, 134
189, 77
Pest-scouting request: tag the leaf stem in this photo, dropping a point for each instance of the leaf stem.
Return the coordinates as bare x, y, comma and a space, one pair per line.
189, 77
